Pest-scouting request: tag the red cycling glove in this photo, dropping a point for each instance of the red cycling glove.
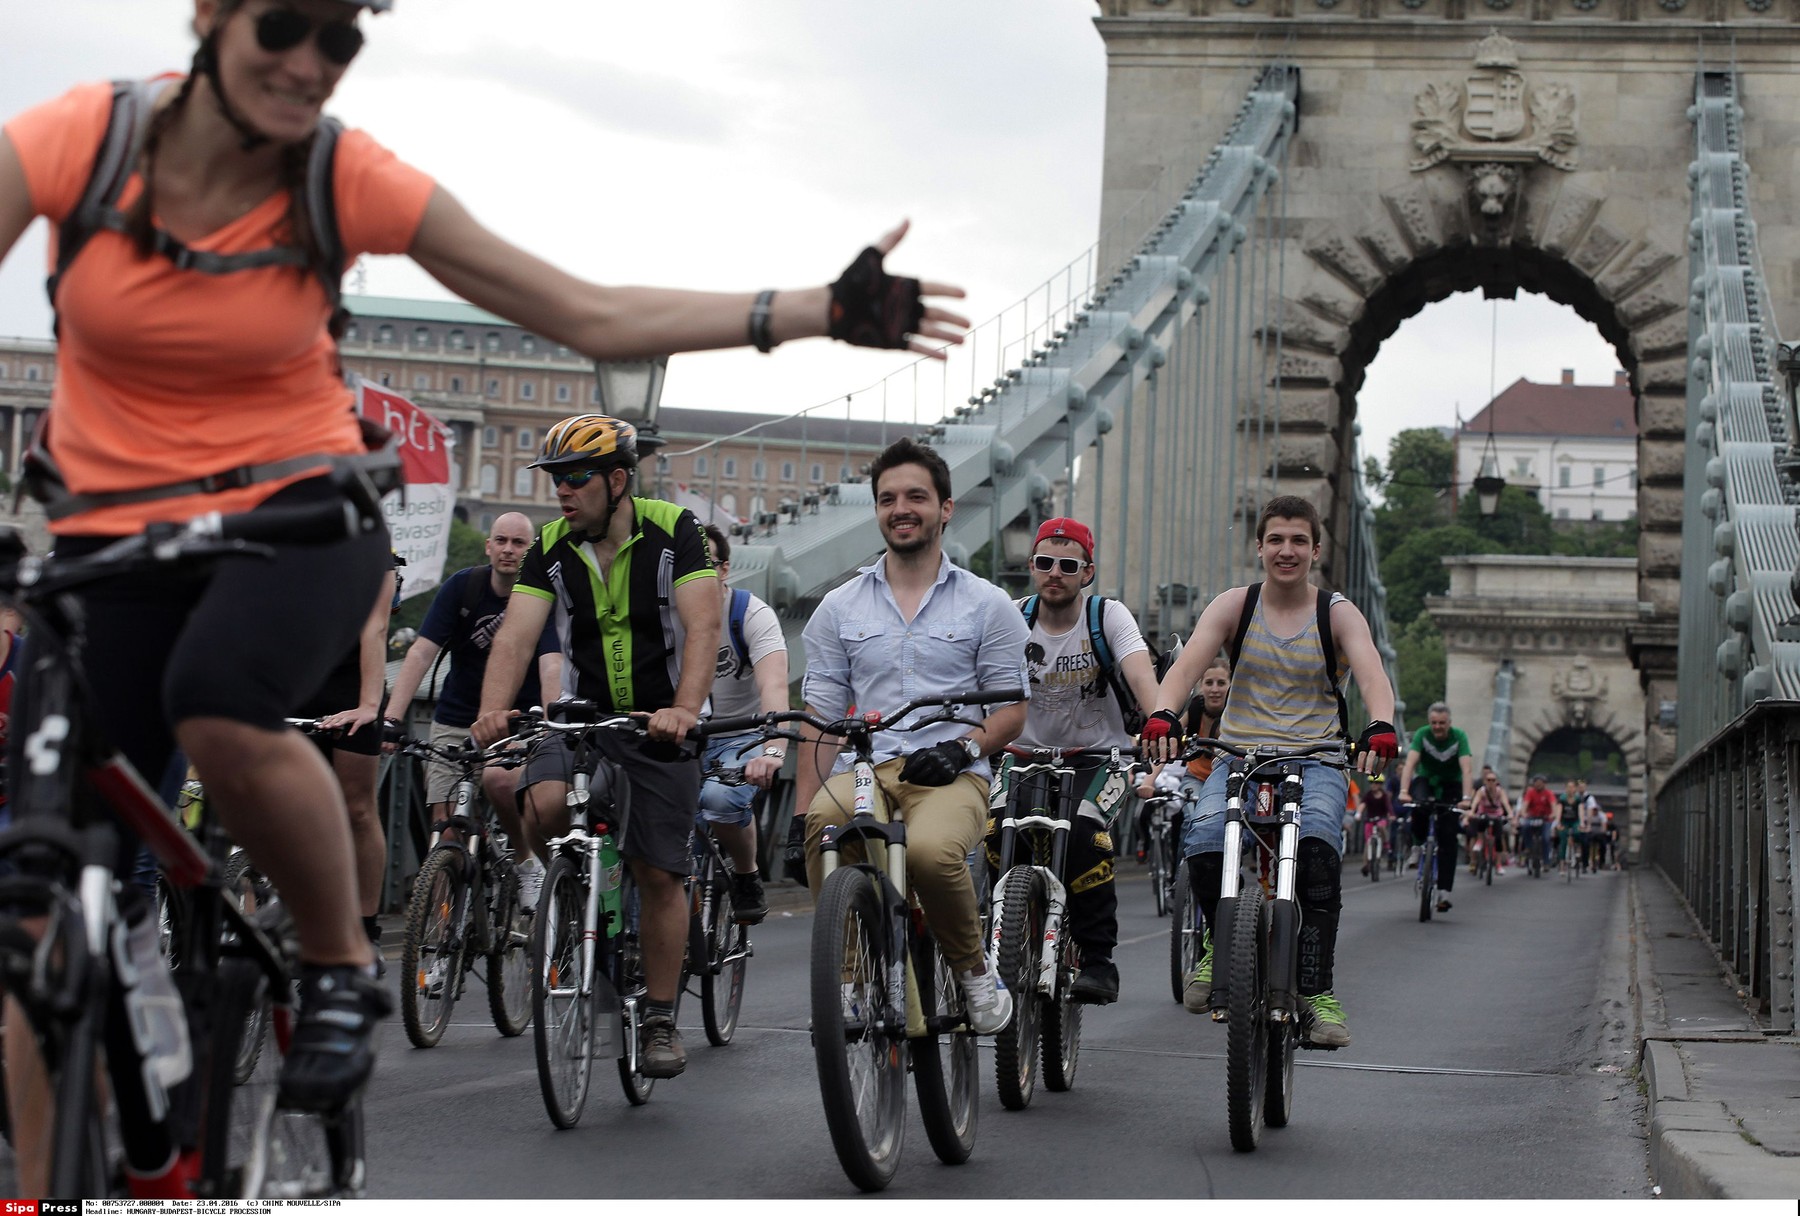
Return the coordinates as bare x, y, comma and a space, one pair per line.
1379, 737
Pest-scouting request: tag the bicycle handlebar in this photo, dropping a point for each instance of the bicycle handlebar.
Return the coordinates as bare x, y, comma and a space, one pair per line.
866, 723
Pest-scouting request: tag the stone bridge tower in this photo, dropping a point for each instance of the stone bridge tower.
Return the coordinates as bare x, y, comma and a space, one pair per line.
1453, 145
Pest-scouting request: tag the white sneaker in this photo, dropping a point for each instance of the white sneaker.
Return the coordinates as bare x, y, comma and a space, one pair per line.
990, 1004
531, 881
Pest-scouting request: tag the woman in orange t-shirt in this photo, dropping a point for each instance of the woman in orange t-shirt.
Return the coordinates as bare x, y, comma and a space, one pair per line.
167, 374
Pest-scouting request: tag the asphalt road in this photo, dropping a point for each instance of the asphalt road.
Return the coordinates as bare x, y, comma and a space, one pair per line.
1492, 1058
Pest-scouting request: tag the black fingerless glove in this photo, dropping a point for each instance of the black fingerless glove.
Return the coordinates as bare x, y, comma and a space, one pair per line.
937, 765
870, 307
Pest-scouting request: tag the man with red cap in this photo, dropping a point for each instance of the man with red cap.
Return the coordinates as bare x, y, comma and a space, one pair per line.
1078, 700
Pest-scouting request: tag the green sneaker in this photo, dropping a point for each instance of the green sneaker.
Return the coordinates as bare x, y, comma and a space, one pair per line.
1326, 1026
1198, 993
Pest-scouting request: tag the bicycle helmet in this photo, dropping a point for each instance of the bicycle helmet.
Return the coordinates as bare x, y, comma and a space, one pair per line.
589, 439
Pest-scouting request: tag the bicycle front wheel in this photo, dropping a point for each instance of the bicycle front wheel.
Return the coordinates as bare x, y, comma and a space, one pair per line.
431, 959
509, 962
1247, 1040
561, 992
858, 1039
1427, 881
1186, 936
946, 1073
722, 981
1159, 888
628, 978
1021, 937
1062, 1025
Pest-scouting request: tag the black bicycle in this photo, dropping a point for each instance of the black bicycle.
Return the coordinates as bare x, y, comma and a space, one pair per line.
883, 995
1425, 881
464, 913
81, 810
719, 949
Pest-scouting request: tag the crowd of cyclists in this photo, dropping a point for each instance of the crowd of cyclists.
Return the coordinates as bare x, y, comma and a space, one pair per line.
196, 290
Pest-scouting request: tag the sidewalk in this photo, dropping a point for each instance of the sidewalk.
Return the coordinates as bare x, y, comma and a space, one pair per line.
1723, 1096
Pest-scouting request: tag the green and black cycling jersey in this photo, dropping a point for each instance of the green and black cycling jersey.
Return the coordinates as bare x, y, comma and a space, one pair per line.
1440, 763
622, 634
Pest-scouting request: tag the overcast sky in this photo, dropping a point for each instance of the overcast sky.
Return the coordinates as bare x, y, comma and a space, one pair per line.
731, 145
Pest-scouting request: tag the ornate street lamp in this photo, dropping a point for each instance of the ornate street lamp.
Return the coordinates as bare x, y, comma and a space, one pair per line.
1488, 482
631, 389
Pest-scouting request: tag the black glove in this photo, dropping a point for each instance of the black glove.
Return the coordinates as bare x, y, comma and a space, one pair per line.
1162, 724
936, 765
870, 307
1379, 737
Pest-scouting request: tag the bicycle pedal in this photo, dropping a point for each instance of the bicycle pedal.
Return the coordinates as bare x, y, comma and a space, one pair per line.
1306, 1044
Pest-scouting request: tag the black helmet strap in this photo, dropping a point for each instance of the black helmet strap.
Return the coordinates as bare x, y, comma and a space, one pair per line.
206, 63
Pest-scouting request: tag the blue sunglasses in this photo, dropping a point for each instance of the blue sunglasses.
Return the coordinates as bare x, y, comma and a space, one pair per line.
576, 479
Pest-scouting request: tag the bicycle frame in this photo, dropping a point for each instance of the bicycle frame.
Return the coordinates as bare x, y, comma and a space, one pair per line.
1254, 830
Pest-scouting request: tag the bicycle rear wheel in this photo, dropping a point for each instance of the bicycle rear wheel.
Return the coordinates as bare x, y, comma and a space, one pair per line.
253, 893
1427, 880
1374, 857
722, 982
431, 959
1186, 937
1021, 937
628, 978
1247, 1037
561, 991
509, 961
1062, 1025
946, 1073
858, 1040
1159, 891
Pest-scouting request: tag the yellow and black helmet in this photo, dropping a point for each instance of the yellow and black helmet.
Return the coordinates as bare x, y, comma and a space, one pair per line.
589, 439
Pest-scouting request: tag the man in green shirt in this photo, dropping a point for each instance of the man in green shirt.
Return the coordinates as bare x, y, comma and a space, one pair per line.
1440, 759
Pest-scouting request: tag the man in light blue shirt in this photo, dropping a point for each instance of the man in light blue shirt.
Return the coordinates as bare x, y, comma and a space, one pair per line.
914, 625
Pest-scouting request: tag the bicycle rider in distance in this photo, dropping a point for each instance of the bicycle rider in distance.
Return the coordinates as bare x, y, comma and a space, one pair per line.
1279, 700
751, 677
1439, 760
911, 625
248, 407
1073, 705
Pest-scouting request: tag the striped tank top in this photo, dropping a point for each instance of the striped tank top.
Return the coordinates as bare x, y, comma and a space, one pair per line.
1278, 692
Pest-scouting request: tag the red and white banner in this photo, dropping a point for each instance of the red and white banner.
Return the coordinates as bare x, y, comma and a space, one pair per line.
418, 516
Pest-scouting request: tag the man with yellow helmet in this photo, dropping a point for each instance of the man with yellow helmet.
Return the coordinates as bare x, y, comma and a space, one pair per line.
638, 611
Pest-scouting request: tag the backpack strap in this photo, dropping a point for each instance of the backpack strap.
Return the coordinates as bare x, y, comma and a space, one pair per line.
1029, 606
321, 209
740, 607
133, 101
1329, 646
1096, 624
473, 587
1252, 594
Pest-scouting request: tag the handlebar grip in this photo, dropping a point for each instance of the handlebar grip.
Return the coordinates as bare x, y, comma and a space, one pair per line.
725, 726
999, 696
570, 708
317, 523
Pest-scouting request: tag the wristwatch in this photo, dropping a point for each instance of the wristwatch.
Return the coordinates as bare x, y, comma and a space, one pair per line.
777, 753
973, 748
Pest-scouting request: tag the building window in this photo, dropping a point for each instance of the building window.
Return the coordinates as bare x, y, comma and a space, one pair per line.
387, 379
352, 332
492, 341
1599, 475
421, 380
522, 482
818, 472
843, 472
487, 521
1562, 512
1522, 467
527, 344
384, 336
562, 393
524, 439
456, 384
728, 503
758, 470
5, 370
1562, 477
31, 371
729, 467
456, 339
421, 337
1631, 479
493, 388
700, 465
490, 437
562, 352
527, 391
787, 470
1599, 514
594, 395
490, 479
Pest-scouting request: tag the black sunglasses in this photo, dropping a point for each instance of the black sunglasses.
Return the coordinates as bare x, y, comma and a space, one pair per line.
283, 29
576, 479
1043, 563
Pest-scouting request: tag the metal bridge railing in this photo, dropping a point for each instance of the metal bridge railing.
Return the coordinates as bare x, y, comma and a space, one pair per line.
1722, 824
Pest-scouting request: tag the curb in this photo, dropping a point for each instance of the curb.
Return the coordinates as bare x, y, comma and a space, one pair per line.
1697, 1151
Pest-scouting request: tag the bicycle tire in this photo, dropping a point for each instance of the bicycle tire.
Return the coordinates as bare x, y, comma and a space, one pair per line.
722, 982
945, 1066
1247, 1031
433, 950
1373, 851
1060, 1040
238, 877
1186, 938
1021, 936
855, 1031
1159, 892
509, 961
1284, 1039
1427, 881
239, 989
561, 1011
628, 977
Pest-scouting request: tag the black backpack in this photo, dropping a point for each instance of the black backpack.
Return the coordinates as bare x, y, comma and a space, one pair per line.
1253, 594
472, 588
1096, 625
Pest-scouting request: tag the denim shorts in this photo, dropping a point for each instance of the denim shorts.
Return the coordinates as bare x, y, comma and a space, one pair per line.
732, 805
1325, 790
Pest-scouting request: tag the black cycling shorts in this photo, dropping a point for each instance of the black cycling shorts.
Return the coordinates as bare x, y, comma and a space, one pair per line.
247, 639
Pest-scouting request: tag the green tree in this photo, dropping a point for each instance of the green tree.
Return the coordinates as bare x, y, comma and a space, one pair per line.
468, 547
1616, 539
1519, 523
1414, 569
1419, 654
1415, 486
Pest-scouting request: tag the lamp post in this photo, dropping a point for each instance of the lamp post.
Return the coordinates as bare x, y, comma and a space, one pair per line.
631, 391
1488, 482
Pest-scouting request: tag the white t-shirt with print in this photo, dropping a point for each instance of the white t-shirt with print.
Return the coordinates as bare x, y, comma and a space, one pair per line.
1072, 704
734, 691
